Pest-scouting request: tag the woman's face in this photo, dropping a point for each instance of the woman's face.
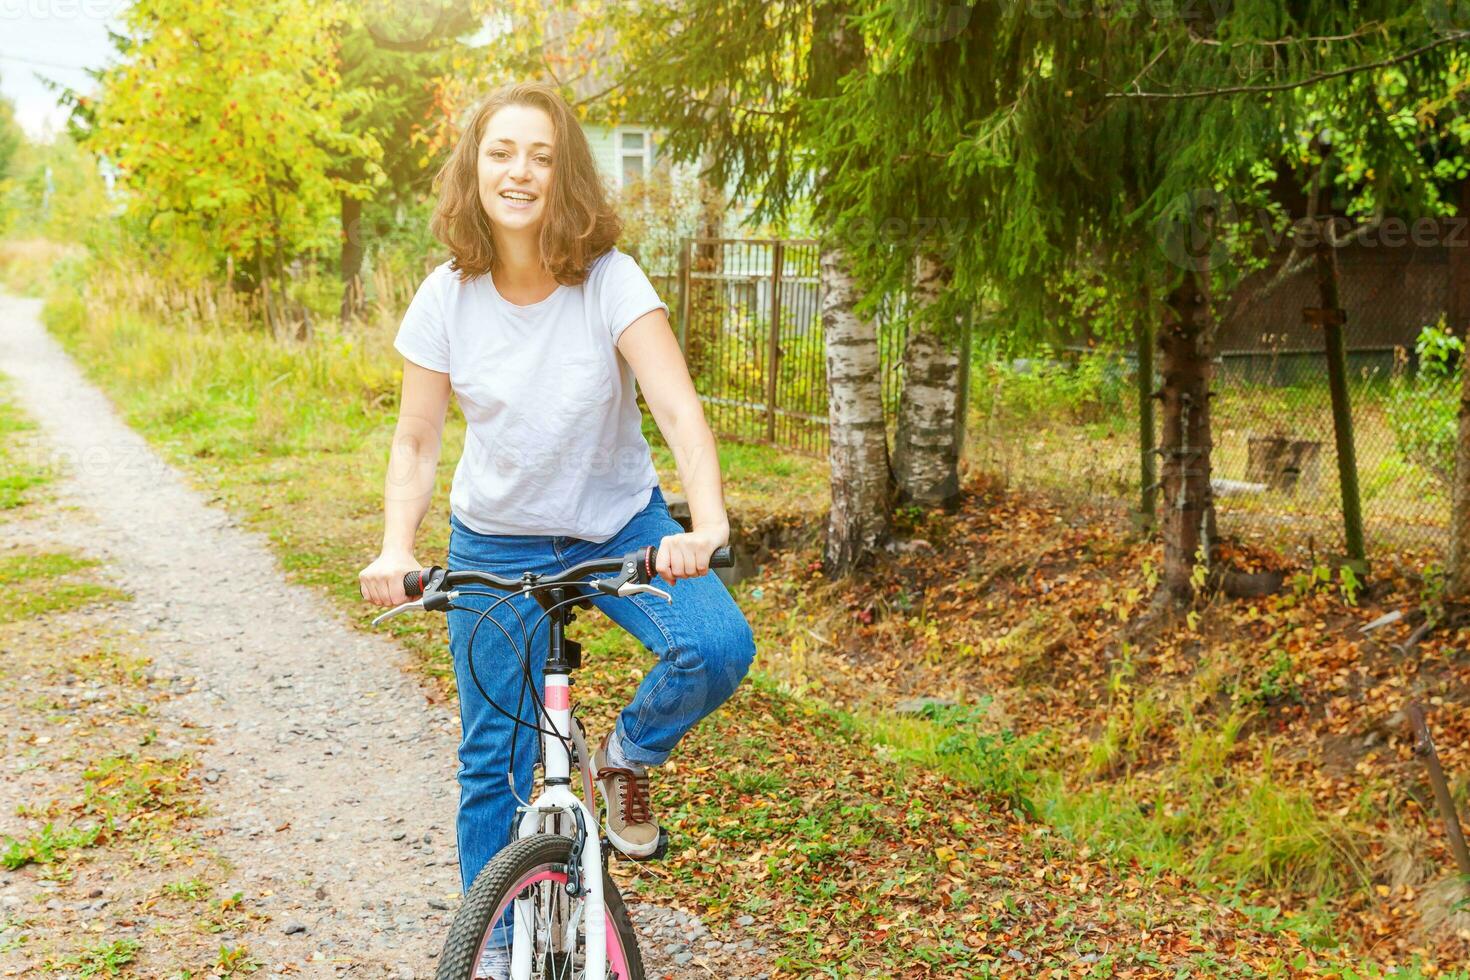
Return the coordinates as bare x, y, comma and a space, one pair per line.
515, 164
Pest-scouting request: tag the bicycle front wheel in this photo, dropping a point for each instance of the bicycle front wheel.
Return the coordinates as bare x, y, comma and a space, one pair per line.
535, 869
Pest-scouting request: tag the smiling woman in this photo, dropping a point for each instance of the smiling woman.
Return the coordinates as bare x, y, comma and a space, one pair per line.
497, 187
545, 332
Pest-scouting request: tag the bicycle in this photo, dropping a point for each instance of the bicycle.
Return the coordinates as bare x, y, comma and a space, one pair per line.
565, 922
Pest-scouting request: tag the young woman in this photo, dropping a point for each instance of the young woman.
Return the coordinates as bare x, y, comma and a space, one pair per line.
541, 327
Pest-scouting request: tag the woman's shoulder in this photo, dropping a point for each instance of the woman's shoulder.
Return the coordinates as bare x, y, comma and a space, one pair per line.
612, 266
442, 276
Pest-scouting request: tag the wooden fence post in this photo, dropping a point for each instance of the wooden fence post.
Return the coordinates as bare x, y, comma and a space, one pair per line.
962, 387
773, 353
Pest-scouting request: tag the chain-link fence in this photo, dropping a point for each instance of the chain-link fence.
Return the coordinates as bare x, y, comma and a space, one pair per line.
1066, 420
1274, 434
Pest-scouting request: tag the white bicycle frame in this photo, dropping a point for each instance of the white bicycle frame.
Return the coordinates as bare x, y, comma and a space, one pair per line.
558, 797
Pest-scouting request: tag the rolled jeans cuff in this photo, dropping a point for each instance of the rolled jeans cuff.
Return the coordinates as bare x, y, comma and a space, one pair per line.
634, 752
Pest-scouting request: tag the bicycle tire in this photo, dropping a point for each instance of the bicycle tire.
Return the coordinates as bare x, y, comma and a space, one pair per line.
506, 876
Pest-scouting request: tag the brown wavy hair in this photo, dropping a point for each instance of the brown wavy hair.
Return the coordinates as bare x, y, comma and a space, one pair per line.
579, 225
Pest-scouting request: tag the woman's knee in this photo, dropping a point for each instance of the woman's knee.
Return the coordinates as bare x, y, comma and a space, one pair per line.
727, 654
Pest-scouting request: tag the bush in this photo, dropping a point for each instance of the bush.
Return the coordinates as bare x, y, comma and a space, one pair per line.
1092, 387
1423, 410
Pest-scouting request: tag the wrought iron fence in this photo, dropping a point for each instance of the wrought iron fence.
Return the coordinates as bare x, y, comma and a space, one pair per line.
748, 314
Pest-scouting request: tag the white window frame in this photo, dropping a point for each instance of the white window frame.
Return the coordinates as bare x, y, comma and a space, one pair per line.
645, 154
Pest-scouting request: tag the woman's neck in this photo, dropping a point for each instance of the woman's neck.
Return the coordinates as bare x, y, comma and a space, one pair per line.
518, 270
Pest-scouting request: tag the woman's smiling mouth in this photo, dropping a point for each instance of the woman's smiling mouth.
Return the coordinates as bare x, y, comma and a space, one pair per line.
518, 200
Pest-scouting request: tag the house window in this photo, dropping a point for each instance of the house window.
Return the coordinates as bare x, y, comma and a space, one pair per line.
635, 155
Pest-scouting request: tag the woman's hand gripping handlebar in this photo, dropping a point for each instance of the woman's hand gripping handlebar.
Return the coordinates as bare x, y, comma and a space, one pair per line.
434, 588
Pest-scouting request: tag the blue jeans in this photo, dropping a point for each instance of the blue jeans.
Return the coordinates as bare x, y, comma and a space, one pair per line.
703, 644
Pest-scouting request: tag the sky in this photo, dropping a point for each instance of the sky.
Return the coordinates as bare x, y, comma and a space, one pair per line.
56, 39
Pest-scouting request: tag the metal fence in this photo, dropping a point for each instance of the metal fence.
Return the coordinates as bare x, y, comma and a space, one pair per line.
1067, 421
1273, 412
749, 320
748, 316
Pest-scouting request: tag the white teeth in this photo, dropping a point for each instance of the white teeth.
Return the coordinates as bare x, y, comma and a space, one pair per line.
517, 196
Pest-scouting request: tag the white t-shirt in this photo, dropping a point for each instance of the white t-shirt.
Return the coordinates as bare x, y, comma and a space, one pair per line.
554, 444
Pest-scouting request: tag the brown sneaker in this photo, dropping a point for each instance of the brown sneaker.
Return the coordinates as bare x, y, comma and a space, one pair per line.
630, 824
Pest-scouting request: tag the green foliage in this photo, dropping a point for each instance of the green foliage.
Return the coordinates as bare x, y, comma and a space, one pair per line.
55, 190
226, 122
1055, 385
957, 740
1423, 410
105, 958
1274, 685
48, 845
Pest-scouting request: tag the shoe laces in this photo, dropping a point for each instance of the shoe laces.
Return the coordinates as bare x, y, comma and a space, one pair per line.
633, 801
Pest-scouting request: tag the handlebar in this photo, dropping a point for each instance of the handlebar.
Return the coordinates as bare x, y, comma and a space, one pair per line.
638, 566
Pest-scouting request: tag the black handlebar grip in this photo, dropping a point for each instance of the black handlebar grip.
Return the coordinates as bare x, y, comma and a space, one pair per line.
719, 558
413, 584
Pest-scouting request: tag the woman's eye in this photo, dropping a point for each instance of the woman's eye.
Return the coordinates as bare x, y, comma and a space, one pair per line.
544, 161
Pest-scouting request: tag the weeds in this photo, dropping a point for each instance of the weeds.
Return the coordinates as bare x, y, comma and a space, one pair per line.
189, 889
20, 472
49, 845
953, 739
233, 960
107, 959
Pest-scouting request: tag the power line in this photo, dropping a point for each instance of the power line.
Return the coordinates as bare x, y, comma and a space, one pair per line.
41, 64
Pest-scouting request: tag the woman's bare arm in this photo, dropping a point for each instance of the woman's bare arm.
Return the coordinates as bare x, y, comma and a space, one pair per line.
650, 348
409, 487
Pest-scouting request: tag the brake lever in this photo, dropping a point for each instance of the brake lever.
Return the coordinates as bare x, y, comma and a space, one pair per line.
415, 604
633, 588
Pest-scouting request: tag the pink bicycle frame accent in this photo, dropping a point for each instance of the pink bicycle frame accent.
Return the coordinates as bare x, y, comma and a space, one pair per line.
617, 958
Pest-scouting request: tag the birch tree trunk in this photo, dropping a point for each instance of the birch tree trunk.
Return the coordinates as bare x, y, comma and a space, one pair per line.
859, 520
925, 450
1188, 518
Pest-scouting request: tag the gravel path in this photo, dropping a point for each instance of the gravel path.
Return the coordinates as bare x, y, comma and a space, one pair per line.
331, 777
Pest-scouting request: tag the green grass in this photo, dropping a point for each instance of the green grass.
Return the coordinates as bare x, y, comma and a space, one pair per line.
48, 845
104, 958
46, 583
956, 741
21, 470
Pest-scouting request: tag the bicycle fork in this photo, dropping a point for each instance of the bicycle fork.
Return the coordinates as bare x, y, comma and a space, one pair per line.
585, 865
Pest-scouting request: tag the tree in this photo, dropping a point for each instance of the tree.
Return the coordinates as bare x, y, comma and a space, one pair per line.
926, 450
739, 86
1068, 142
225, 122
393, 58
